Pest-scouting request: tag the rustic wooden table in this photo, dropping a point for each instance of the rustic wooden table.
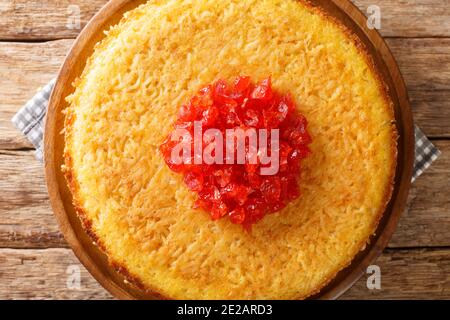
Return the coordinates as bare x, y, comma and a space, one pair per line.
35, 261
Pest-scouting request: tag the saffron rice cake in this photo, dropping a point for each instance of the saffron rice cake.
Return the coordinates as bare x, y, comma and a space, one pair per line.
141, 214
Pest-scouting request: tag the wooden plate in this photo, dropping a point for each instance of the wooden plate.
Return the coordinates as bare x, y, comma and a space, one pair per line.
61, 199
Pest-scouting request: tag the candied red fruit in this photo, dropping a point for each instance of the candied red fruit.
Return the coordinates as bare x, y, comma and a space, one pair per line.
240, 191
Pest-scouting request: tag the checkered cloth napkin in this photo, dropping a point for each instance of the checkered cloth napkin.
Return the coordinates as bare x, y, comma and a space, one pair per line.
30, 120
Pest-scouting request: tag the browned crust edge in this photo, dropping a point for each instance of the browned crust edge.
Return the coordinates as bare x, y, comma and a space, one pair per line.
389, 188
69, 172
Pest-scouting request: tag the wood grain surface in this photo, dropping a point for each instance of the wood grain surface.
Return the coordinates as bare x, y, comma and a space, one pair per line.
33, 254
44, 275
36, 19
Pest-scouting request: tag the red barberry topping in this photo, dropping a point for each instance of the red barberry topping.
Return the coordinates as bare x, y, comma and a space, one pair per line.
241, 191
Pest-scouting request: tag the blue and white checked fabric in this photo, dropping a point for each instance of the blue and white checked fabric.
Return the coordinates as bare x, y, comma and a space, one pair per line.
426, 153
30, 121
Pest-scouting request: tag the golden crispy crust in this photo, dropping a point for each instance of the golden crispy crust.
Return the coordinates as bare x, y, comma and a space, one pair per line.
385, 90
74, 187
69, 172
